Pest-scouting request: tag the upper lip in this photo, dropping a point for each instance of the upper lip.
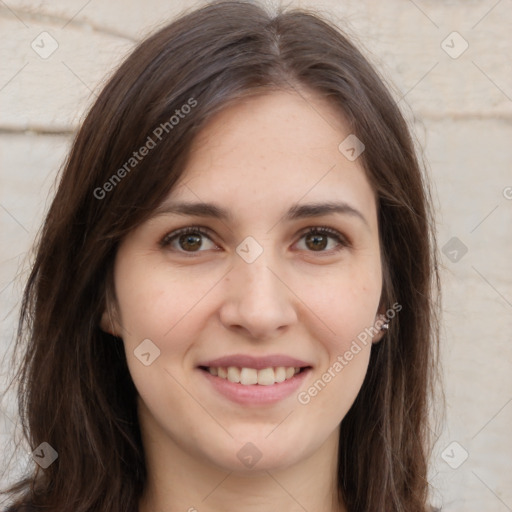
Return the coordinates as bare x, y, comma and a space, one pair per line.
246, 361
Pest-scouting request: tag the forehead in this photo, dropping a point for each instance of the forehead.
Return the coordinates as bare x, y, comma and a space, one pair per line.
274, 149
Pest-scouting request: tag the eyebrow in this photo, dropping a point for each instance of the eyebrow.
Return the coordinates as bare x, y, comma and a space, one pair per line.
297, 211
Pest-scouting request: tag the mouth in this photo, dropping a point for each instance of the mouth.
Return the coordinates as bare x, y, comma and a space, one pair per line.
252, 376
248, 380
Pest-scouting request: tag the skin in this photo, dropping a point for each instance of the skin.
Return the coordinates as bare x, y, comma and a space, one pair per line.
256, 158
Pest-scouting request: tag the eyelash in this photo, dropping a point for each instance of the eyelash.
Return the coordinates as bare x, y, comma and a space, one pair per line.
320, 230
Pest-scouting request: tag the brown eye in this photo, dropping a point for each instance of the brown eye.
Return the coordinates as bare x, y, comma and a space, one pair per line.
316, 242
188, 240
323, 239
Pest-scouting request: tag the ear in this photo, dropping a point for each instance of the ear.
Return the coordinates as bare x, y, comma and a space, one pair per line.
108, 324
380, 327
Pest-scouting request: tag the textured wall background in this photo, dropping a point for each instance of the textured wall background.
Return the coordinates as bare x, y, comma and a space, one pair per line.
450, 62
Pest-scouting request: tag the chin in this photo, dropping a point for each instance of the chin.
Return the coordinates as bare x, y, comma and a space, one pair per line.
254, 453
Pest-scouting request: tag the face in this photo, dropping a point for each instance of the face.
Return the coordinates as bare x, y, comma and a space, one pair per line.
262, 265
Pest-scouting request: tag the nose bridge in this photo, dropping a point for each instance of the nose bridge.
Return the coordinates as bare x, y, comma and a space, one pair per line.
258, 280
257, 300
258, 283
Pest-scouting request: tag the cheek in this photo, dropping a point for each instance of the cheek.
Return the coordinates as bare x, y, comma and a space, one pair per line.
153, 301
346, 302
156, 306
347, 309
145, 308
166, 308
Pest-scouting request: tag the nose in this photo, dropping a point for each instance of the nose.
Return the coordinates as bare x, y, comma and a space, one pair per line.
258, 300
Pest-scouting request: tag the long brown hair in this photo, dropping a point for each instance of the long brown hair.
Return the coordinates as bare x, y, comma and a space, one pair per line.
74, 388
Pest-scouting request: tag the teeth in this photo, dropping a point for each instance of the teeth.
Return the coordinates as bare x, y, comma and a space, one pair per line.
251, 376
233, 374
248, 376
280, 374
266, 377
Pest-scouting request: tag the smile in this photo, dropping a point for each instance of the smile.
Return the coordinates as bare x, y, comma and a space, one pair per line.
253, 376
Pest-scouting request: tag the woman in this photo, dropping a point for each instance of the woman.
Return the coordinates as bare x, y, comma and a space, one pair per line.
233, 299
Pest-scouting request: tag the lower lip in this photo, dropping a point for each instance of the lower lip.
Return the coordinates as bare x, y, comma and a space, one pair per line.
256, 394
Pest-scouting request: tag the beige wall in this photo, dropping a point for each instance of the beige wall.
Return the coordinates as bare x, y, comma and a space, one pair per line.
462, 104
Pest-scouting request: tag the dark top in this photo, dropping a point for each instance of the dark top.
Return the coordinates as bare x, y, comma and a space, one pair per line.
29, 508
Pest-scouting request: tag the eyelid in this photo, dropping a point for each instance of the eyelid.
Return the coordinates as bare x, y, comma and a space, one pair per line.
169, 237
340, 238
324, 229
